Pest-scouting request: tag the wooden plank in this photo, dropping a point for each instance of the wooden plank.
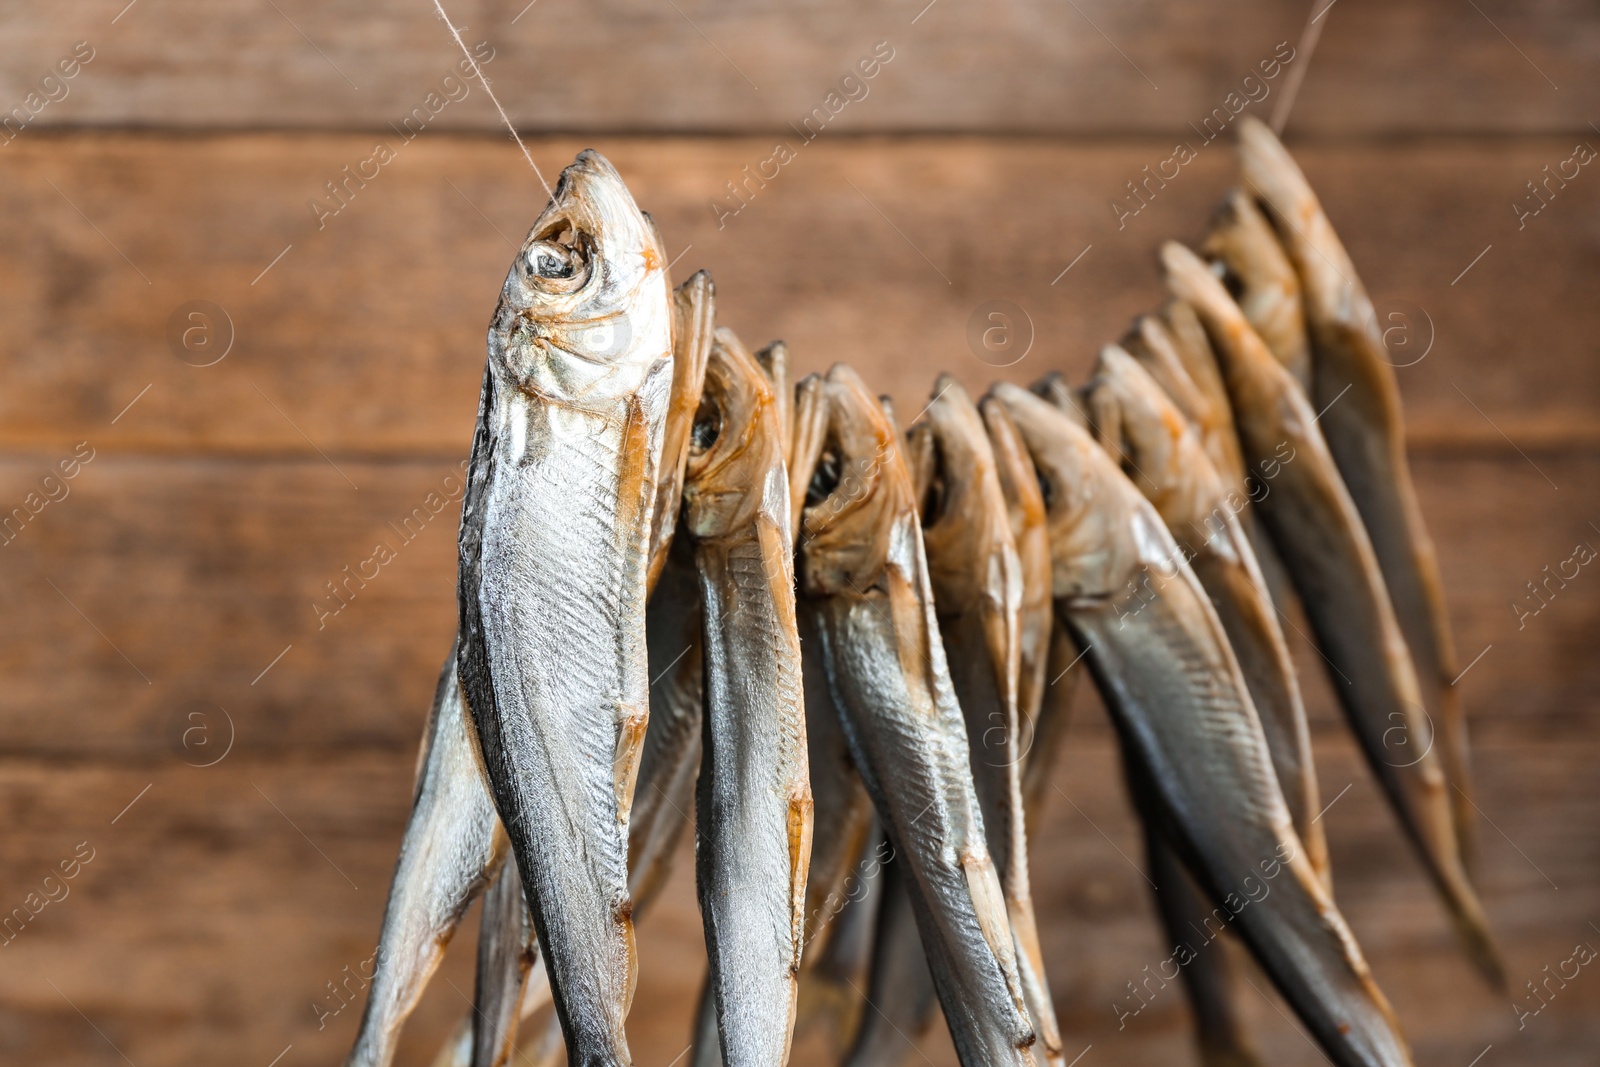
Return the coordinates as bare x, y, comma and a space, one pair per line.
365, 337
1098, 67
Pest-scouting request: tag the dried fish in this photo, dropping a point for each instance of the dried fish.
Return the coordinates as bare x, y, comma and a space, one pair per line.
976, 575
1191, 735
1257, 272
1160, 451
1162, 455
863, 580
838, 969
554, 555
1353, 386
1048, 675
754, 803
507, 950
774, 363
453, 844
1174, 349
1316, 527
693, 323
670, 759
900, 986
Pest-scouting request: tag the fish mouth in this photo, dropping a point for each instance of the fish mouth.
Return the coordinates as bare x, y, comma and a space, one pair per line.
592, 240
728, 456
857, 484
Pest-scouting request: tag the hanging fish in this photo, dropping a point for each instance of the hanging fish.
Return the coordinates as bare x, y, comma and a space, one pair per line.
1191, 736
863, 580
554, 556
1316, 527
1353, 386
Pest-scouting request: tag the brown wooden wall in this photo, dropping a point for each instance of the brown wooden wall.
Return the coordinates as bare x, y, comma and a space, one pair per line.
161, 605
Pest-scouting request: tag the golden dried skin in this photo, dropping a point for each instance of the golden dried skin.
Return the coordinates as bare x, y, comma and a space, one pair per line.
1055, 388
1258, 272
1353, 385
774, 361
1316, 527
1179, 366
754, 806
554, 559
810, 434
863, 581
693, 317
1191, 736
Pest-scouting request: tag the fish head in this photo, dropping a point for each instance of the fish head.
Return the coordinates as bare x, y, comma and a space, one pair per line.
1151, 343
1156, 446
1089, 505
1055, 388
966, 529
585, 313
858, 495
735, 448
1256, 271
1254, 378
1019, 483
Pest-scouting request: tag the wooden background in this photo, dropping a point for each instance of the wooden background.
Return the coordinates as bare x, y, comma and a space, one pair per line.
160, 614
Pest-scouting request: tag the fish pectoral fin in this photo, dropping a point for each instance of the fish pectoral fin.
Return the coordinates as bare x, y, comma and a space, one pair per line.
989, 904
625, 761
1030, 968
800, 827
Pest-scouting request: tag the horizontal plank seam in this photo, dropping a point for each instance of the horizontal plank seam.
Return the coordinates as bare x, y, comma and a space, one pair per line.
1399, 138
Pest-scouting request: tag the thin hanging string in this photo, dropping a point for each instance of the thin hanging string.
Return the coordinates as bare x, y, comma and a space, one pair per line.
478, 73
1308, 44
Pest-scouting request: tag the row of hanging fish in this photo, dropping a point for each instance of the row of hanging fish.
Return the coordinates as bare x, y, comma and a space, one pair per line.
689, 583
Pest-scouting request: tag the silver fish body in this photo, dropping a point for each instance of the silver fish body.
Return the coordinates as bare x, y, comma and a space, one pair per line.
976, 574
554, 557
1192, 737
453, 844
864, 581
754, 807
1164, 458
670, 756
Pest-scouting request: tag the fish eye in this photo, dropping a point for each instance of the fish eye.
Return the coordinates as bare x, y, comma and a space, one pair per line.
824, 480
933, 500
1045, 490
546, 259
707, 425
1230, 279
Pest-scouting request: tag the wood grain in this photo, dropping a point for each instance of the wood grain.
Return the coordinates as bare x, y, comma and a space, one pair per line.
366, 337
1093, 67
182, 697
